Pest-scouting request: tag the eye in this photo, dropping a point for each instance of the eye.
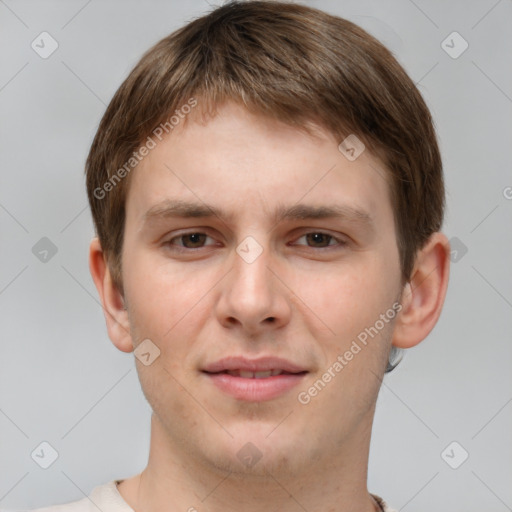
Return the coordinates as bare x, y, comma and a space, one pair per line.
197, 240
321, 240
193, 240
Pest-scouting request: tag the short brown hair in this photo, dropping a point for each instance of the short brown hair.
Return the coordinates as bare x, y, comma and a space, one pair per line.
289, 62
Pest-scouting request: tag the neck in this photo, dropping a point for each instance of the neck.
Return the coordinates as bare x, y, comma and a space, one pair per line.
176, 480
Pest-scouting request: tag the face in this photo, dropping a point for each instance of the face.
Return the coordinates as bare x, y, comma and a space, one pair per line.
251, 246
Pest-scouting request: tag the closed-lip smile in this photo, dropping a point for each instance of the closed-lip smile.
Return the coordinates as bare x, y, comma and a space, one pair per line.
254, 380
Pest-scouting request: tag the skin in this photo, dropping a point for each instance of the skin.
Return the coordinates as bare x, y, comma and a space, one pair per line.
208, 303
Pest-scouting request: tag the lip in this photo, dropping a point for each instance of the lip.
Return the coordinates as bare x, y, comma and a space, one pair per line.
254, 389
262, 364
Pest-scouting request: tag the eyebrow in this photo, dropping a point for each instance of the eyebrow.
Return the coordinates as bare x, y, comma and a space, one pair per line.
184, 209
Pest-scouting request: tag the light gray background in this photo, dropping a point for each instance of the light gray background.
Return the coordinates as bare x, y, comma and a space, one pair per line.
61, 379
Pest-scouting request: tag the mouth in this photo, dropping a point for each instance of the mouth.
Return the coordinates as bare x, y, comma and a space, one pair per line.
255, 375
254, 380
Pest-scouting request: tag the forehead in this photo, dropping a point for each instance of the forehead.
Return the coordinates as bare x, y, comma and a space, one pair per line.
251, 165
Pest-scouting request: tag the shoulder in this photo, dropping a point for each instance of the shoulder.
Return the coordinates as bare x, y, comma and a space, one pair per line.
105, 497
74, 506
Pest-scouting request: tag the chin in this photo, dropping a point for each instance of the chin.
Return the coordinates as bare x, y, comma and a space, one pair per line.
258, 451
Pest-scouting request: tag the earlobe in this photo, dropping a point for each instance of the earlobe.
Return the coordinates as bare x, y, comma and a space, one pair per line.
423, 297
113, 303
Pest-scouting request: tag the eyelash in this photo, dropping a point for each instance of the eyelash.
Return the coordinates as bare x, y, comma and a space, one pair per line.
340, 243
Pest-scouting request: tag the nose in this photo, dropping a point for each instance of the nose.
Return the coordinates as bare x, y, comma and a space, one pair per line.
253, 298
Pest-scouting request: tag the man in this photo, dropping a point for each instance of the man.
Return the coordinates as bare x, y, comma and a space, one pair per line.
268, 196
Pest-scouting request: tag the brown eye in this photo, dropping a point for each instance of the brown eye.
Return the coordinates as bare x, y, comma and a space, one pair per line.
189, 240
195, 239
319, 240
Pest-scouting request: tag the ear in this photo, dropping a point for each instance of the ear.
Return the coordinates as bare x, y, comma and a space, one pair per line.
423, 297
116, 316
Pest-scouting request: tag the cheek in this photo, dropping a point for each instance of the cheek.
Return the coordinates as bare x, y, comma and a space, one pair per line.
349, 298
165, 305
158, 297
